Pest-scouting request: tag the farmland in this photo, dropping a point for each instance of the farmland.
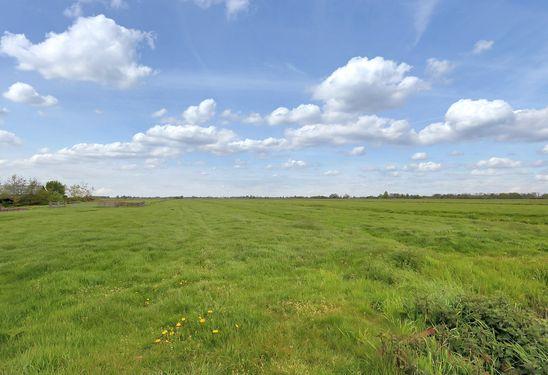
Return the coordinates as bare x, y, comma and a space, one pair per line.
280, 286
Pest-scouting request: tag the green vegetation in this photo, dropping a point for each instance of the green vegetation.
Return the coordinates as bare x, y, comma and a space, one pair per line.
294, 287
19, 191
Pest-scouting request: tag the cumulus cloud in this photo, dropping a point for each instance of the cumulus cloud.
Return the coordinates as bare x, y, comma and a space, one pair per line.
419, 156
292, 164
21, 92
542, 177
472, 119
357, 151
303, 114
366, 128
496, 162
438, 69
482, 46
331, 172
545, 149
368, 85
93, 49
159, 113
8, 138
428, 166
253, 118
199, 114
158, 142
233, 7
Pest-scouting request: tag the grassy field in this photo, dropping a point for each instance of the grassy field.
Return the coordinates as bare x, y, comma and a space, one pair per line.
291, 286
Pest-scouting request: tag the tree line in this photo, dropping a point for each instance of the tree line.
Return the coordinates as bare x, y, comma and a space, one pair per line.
19, 191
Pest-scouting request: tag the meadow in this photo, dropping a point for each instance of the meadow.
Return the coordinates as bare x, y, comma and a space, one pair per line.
275, 287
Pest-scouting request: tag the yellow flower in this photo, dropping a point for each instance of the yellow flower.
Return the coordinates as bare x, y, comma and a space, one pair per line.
210, 311
237, 326
171, 333
178, 325
215, 331
183, 319
157, 341
202, 321
164, 332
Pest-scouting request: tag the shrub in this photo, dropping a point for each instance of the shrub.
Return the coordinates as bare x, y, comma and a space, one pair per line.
487, 333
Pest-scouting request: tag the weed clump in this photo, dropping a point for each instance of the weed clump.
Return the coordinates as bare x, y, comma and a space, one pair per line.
476, 333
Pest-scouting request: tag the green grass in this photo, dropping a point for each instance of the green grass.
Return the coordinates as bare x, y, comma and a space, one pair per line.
315, 286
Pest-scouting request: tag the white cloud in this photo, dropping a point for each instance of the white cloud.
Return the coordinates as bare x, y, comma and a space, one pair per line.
424, 9
303, 114
3, 113
8, 138
496, 162
484, 172
428, 166
93, 49
542, 177
473, 119
233, 7
76, 9
482, 46
357, 151
253, 118
331, 172
368, 85
545, 149
438, 69
366, 128
419, 156
199, 114
159, 113
291, 164
390, 167
21, 92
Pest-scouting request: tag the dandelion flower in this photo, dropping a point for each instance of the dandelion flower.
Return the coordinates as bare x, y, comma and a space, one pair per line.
164, 332
215, 331
178, 324
183, 319
157, 341
210, 311
237, 326
202, 321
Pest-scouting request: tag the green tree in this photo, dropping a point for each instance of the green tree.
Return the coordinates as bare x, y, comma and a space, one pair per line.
56, 187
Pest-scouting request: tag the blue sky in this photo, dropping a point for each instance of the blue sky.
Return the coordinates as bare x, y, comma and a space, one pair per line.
230, 97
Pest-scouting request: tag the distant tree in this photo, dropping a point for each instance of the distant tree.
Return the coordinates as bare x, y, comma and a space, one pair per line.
80, 192
334, 196
55, 187
385, 195
14, 186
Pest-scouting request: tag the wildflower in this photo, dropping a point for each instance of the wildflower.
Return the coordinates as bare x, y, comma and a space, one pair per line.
210, 312
164, 332
157, 341
171, 333
183, 319
215, 331
237, 326
202, 320
178, 324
